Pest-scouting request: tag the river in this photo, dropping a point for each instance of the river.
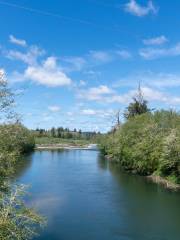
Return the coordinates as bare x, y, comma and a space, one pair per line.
85, 197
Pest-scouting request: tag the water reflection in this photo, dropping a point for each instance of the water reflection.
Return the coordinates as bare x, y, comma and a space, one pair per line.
148, 206
103, 163
22, 165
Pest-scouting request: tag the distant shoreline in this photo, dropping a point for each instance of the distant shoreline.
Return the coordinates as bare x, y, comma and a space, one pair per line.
65, 146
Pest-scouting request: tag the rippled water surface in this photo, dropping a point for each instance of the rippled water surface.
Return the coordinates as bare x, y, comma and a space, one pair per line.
84, 197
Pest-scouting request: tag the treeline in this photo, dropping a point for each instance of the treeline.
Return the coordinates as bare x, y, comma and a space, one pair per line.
17, 221
147, 143
65, 133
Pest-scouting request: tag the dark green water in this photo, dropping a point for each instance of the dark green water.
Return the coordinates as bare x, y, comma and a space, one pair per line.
86, 198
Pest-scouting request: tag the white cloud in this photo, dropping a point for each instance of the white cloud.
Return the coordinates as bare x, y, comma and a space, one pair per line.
155, 41
154, 53
155, 95
103, 94
50, 63
136, 9
95, 93
54, 108
29, 57
149, 94
100, 113
88, 112
20, 42
48, 73
164, 80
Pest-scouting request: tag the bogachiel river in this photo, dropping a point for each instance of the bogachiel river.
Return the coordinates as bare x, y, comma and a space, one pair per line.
85, 197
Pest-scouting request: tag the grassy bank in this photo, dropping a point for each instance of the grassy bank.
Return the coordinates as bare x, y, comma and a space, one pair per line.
147, 144
63, 141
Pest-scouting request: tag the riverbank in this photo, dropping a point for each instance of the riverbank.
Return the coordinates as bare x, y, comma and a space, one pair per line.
164, 182
153, 178
148, 145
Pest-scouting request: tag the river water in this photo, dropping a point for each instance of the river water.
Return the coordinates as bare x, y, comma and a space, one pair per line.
85, 197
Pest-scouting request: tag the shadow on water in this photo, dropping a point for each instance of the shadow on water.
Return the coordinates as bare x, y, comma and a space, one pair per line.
22, 165
25, 162
151, 209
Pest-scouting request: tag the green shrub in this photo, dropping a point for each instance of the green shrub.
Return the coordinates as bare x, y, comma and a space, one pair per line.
147, 144
15, 140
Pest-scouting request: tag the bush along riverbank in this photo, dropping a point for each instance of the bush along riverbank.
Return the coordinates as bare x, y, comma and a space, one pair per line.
15, 140
17, 221
147, 144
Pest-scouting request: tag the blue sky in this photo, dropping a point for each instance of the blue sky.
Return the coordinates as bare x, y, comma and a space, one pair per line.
74, 63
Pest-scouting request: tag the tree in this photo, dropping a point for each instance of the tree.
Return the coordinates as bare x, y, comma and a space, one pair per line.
53, 132
6, 99
59, 132
138, 106
17, 222
116, 121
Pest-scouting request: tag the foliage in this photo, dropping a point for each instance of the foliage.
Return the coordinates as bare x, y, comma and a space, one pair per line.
138, 106
148, 144
15, 137
14, 141
6, 99
16, 220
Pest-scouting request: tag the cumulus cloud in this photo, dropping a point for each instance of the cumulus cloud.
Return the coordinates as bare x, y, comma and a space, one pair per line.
136, 9
155, 41
20, 42
95, 93
154, 53
45, 72
48, 73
